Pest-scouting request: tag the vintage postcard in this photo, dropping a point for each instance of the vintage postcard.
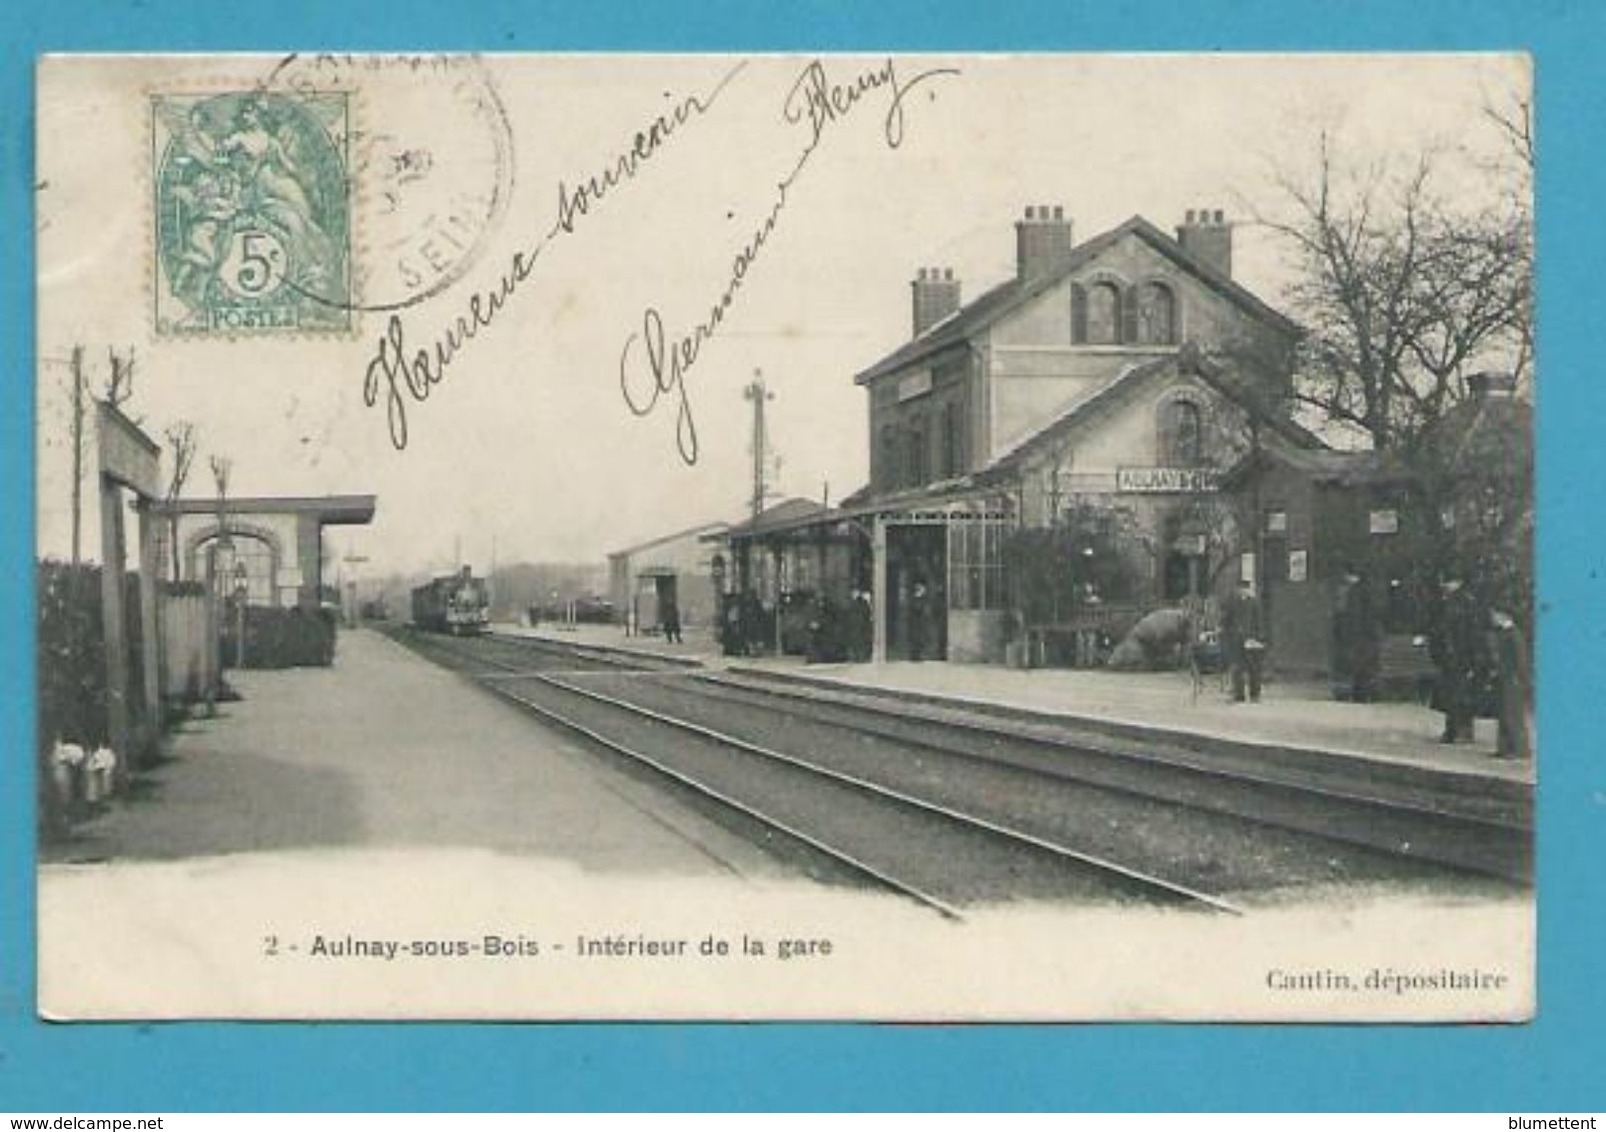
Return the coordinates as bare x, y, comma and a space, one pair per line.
974, 537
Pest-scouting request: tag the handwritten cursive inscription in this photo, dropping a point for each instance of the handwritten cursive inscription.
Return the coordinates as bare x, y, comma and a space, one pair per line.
668, 364
820, 103
578, 201
413, 373
815, 97
402, 374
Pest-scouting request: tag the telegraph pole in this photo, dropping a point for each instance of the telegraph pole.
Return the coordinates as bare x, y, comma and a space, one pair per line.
77, 450
756, 392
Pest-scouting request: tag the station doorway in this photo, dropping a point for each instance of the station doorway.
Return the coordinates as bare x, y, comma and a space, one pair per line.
1185, 570
657, 596
917, 591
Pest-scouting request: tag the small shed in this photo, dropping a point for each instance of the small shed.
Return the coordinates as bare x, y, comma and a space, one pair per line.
676, 568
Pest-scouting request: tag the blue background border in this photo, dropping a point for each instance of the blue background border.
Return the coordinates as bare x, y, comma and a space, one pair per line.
1555, 1063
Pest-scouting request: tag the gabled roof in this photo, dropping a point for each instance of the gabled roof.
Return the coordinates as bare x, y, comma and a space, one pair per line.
1343, 468
856, 497
982, 312
699, 531
1076, 411
1332, 465
861, 503
1188, 360
1478, 429
785, 513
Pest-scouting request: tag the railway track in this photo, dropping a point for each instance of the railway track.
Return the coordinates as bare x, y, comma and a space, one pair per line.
1485, 837
1088, 811
939, 855
1489, 837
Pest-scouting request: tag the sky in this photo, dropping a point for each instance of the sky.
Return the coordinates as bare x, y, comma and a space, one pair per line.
529, 448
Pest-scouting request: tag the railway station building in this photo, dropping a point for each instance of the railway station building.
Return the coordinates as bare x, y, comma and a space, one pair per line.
246, 582
675, 569
271, 547
1107, 432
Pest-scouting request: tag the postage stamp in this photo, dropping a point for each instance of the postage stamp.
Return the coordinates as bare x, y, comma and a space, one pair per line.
252, 212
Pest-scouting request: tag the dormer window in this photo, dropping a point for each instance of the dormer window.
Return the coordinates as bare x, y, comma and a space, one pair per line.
1101, 321
1103, 314
1156, 315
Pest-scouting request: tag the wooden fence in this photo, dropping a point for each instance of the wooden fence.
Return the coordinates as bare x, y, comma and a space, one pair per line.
189, 647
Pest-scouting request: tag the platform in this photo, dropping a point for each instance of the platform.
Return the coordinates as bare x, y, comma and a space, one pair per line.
384, 750
1292, 720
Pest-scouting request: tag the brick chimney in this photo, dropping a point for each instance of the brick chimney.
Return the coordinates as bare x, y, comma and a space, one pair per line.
936, 296
1207, 236
1489, 386
1042, 241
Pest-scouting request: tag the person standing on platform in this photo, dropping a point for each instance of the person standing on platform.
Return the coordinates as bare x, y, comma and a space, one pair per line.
1510, 651
1244, 641
1356, 642
671, 619
861, 630
919, 614
823, 643
1454, 648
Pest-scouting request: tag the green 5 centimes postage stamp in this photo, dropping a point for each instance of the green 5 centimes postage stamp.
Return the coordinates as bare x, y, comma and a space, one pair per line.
253, 212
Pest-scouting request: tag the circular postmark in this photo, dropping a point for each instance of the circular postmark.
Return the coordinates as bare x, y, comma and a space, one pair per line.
430, 167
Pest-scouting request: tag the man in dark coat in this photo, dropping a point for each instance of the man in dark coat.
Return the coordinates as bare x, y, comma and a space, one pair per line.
731, 636
919, 618
1454, 648
862, 626
1243, 640
670, 616
1510, 651
825, 635
1356, 643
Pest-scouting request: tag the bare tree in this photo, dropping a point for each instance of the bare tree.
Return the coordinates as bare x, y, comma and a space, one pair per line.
1512, 117
120, 382
1416, 294
221, 466
1402, 292
181, 442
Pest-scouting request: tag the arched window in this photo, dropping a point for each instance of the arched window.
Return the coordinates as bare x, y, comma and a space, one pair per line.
1156, 315
1181, 434
1103, 321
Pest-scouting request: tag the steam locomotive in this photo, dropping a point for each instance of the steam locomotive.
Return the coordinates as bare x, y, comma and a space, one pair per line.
459, 604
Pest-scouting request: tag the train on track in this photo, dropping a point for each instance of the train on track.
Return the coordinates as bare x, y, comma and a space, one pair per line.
459, 604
